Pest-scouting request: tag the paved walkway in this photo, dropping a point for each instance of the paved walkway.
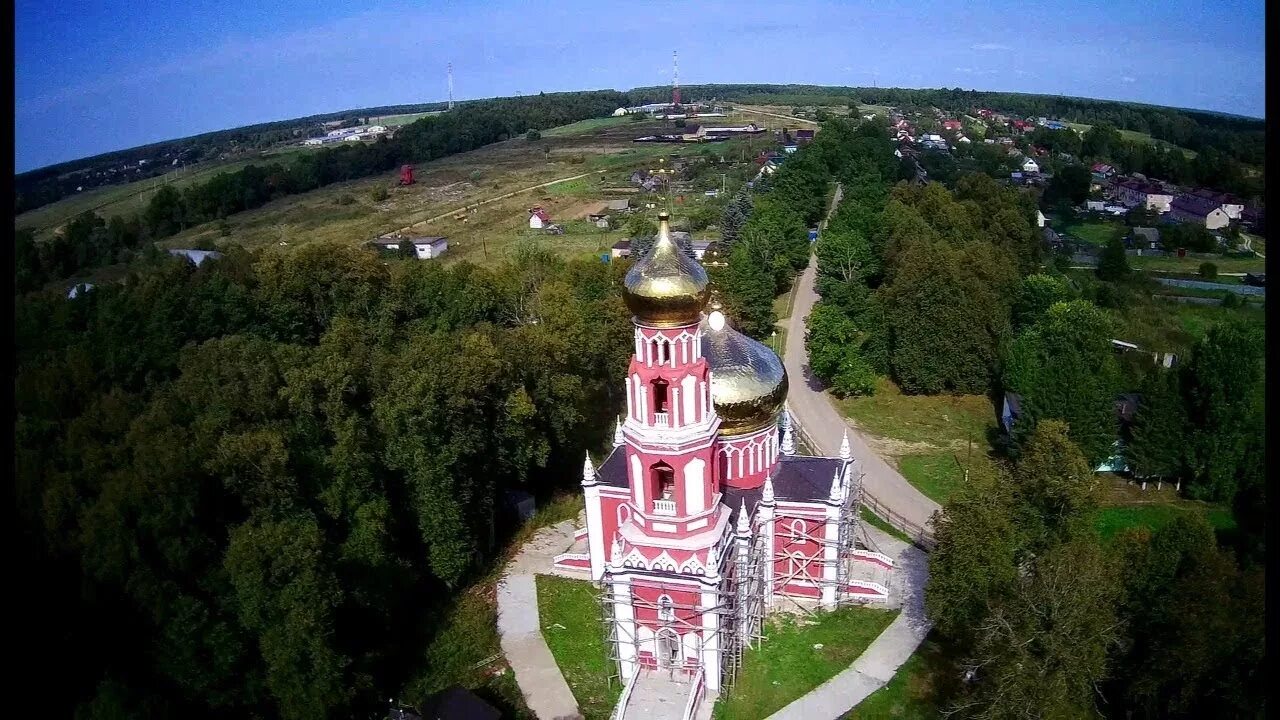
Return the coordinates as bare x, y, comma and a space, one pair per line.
658, 696
878, 663
544, 689
812, 410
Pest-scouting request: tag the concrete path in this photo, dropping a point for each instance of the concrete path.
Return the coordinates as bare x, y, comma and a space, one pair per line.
544, 689
824, 427
658, 696
878, 663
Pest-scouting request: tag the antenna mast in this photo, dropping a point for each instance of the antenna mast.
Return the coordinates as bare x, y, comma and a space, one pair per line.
675, 78
450, 86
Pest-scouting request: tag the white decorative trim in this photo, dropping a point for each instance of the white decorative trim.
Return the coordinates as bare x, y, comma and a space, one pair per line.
663, 527
664, 562
874, 557
693, 567
698, 524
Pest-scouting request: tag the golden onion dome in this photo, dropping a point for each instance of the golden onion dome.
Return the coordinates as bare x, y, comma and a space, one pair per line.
748, 381
666, 287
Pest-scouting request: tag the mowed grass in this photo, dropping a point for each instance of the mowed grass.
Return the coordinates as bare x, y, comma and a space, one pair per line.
1170, 326
915, 690
590, 124
874, 520
399, 120
1093, 232
941, 475
797, 655
1192, 264
569, 615
942, 420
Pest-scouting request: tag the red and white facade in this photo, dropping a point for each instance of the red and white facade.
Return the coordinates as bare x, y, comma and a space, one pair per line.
676, 508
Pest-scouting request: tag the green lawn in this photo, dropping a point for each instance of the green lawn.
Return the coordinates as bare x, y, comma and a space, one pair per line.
1110, 521
787, 664
1192, 265
913, 692
1093, 232
941, 420
570, 618
585, 126
937, 476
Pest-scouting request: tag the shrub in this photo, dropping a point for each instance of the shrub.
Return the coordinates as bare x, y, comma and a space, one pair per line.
1231, 300
1209, 271
378, 194
533, 135
855, 376
344, 199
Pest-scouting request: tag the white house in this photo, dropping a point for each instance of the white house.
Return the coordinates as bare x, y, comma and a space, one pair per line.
538, 218
1039, 218
425, 248
1029, 165
353, 138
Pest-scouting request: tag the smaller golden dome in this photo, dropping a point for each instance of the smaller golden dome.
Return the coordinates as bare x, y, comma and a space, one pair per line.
748, 381
666, 287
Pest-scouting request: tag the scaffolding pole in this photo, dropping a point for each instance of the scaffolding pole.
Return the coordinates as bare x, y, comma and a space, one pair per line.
738, 608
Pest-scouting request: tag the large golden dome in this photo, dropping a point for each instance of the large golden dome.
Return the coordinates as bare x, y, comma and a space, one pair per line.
666, 287
748, 381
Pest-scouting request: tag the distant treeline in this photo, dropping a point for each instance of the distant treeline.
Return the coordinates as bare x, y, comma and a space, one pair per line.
90, 241
1240, 137
50, 184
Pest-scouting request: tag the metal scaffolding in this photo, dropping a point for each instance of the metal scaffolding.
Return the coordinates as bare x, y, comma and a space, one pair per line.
739, 607
810, 567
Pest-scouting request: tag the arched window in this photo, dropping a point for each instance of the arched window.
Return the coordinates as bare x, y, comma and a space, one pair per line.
664, 482
666, 610
659, 395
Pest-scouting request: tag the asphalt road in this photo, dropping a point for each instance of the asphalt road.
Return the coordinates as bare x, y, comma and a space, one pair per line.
811, 408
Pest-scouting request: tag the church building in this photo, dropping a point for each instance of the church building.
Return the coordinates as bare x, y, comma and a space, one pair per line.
702, 519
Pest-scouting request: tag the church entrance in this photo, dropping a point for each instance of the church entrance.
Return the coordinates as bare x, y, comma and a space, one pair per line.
668, 649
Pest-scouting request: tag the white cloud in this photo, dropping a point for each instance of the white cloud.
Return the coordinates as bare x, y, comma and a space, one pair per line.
1128, 79
989, 46
964, 70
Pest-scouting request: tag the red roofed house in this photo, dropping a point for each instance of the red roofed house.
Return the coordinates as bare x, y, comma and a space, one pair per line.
804, 137
1134, 193
1199, 210
538, 218
1103, 169
951, 125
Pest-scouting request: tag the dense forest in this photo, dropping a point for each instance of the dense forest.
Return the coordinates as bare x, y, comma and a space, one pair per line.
944, 290
92, 241
250, 489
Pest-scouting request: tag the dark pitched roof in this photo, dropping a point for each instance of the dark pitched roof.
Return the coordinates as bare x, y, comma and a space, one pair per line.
1126, 406
804, 134
804, 478
613, 471
732, 497
1194, 205
1221, 198
457, 703
622, 245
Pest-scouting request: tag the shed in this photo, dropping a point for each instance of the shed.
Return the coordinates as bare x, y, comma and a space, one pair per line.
1011, 410
618, 205
1145, 238
538, 218
622, 248
78, 290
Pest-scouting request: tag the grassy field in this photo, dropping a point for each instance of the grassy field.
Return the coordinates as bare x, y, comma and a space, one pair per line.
912, 693
133, 197
1192, 265
398, 120
1126, 505
1170, 326
1133, 135
927, 436
1093, 232
570, 618
590, 124
798, 655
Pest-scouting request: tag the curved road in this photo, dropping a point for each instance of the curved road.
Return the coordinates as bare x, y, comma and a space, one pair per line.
885, 491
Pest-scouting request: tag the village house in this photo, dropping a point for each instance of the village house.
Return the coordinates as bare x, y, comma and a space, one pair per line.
693, 133
538, 218
1143, 238
1029, 166
1200, 211
424, 247
1135, 192
1230, 204
951, 125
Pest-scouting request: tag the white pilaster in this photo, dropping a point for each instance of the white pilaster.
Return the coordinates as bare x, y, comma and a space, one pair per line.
618, 437
595, 525
845, 453
710, 642
830, 550
788, 443
767, 512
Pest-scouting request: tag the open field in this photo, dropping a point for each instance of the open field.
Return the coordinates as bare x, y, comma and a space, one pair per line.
1133, 135
398, 120
449, 190
1125, 505
801, 653
133, 197
1192, 265
1093, 232
931, 438
569, 614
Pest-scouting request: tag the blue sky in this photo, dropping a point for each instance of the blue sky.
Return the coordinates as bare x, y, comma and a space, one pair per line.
94, 77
